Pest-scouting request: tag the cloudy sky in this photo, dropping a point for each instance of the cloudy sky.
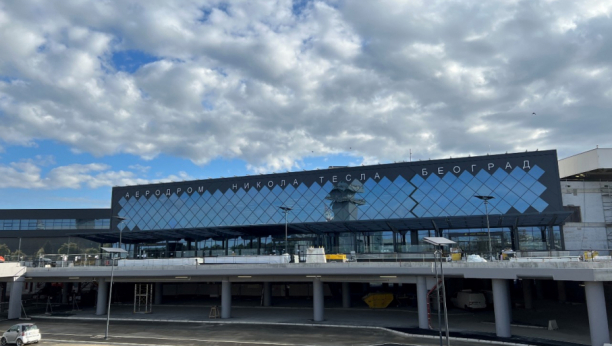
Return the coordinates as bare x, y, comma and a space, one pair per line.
95, 94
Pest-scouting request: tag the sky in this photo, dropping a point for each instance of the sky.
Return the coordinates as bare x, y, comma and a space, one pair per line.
96, 94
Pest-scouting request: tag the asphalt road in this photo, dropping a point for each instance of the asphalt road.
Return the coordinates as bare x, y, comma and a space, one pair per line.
89, 333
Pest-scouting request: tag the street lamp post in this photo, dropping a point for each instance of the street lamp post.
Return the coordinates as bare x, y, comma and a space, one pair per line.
439, 243
286, 210
112, 251
486, 199
119, 219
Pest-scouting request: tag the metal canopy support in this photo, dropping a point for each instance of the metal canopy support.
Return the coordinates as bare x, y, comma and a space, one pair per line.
143, 298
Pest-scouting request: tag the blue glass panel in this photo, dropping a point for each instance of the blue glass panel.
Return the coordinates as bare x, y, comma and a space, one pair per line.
537, 188
189, 215
218, 194
466, 177
521, 206
409, 204
216, 221
400, 181
426, 202
217, 207
482, 176
418, 195
270, 197
289, 189
459, 201
207, 221
223, 200
426, 187
500, 174
433, 179
252, 191
417, 180
252, 219
436, 211
528, 181
277, 190
467, 192
315, 187
492, 183
259, 197
475, 184
502, 207
328, 186
283, 197
434, 194
393, 204
302, 188
400, 196
458, 185
511, 198
509, 182
450, 193
384, 182
451, 210
529, 197
377, 205
419, 211
443, 202
377, 190
449, 178
536, 172
173, 197
189, 202
517, 173
441, 186
484, 191
539, 205
386, 212
519, 189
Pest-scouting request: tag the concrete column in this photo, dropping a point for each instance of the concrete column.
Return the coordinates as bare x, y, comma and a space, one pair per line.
502, 313
226, 299
539, 289
528, 293
598, 318
346, 295
158, 293
14, 310
422, 302
102, 297
65, 292
561, 291
317, 300
267, 294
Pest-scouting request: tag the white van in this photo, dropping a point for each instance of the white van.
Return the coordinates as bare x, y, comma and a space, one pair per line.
470, 300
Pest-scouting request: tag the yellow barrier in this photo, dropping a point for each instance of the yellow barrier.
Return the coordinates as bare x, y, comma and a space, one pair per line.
378, 300
336, 257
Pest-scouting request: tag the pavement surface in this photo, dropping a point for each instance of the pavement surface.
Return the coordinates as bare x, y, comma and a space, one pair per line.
529, 326
89, 333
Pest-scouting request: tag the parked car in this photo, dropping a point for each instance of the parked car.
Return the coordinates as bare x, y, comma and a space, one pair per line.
21, 334
470, 300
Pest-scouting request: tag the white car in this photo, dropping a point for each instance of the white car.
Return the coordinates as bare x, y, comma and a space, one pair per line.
21, 334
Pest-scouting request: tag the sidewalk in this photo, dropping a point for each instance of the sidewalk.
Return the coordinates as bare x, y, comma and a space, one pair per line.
480, 325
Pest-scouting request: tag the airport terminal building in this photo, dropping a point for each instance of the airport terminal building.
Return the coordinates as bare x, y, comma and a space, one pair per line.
378, 209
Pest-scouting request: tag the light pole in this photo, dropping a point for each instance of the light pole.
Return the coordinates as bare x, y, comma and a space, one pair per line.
439, 243
119, 219
112, 251
286, 210
486, 199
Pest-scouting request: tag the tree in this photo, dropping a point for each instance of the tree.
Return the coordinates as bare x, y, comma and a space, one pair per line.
91, 251
17, 255
69, 248
4, 250
40, 253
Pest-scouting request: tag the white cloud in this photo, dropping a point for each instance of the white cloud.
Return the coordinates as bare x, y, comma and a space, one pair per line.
262, 83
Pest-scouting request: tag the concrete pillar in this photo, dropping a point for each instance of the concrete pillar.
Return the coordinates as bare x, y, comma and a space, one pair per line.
500, 303
346, 295
158, 292
539, 289
317, 300
14, 310
598, 318
102, 297
528, 293
422, 302
267, 294
561, 291
226, 299
66, 292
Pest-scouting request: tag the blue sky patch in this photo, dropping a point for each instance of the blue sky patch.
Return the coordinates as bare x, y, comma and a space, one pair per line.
131, 60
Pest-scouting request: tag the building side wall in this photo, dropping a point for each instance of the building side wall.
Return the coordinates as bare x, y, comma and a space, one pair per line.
591, 233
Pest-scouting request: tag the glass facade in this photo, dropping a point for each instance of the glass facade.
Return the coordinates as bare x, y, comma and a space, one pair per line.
517, 191
53, 224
